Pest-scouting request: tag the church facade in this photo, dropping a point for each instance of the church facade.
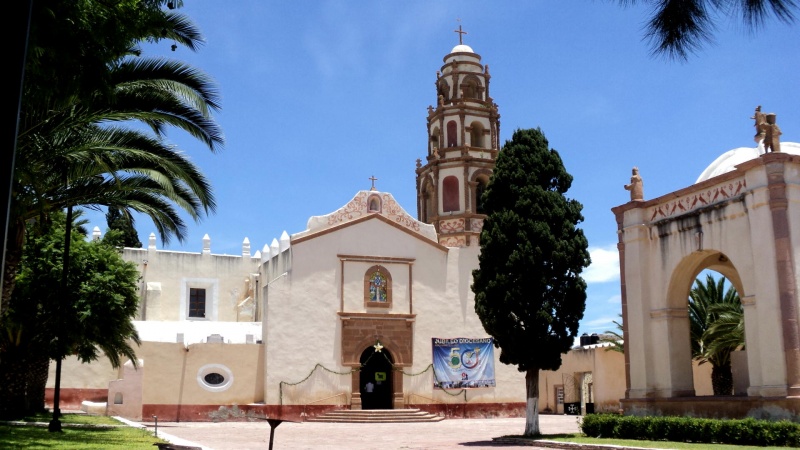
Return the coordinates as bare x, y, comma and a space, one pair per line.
343, 314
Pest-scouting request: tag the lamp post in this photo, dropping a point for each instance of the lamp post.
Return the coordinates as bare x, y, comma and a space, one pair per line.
55, 423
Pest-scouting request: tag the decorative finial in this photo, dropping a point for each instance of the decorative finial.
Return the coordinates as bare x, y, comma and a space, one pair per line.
373, 183
460, 33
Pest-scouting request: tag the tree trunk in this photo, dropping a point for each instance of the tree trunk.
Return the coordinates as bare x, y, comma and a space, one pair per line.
13, 404
532, 403
13, 257
38, 371
722, 379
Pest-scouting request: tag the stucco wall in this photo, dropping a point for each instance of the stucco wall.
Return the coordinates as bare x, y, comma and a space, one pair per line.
607, 369
302, 327
171, 373
77, 375
167, 277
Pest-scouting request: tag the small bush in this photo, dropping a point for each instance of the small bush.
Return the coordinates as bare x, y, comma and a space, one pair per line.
685, 429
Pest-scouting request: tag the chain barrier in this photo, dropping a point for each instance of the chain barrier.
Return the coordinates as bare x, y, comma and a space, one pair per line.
358, 369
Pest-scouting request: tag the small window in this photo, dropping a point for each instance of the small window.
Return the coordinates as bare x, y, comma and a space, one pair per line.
452, 134
443, 89
374, 204
377, 287
450, 194
215, 377
197, 303
434, 141
480, 188
476, 134
428, 205
470, 87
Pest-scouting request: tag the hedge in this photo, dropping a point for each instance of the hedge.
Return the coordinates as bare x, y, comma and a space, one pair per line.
686, 429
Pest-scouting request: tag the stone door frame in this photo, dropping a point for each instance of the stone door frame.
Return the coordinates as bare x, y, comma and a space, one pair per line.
395, 332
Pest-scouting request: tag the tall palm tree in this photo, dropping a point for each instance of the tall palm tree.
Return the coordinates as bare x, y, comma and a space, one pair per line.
77, 148
680, 27
716, 321
77, 155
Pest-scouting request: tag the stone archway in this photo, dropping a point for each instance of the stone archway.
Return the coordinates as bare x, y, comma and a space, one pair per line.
737, 224
365, 332
674, 319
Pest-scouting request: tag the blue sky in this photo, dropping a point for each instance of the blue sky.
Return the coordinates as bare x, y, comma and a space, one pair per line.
317, 96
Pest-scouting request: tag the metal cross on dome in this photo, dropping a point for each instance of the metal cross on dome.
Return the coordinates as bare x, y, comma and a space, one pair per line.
373, 182
460, 33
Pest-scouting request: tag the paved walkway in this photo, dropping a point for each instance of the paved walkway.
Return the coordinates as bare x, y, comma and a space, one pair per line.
447, 434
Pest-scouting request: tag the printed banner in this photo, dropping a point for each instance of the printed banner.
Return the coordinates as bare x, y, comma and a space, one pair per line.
463, 363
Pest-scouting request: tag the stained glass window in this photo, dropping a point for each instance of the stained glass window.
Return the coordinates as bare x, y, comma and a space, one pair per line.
377, 287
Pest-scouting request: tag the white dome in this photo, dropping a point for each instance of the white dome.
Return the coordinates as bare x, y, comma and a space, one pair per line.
461, 48
728, 161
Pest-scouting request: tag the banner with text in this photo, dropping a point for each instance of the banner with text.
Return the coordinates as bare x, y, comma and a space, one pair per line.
463, 363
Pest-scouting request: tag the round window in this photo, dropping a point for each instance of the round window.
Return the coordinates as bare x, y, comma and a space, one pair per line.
215, 377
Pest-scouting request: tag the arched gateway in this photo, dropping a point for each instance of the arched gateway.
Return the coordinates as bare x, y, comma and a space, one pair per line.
745, 224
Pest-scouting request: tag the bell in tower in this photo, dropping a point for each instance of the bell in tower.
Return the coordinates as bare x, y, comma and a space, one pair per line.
463, 137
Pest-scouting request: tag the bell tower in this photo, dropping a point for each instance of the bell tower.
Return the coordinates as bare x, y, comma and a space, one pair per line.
463, 141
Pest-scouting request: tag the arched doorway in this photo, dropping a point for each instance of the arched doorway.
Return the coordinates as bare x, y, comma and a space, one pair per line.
375, 379
736, 224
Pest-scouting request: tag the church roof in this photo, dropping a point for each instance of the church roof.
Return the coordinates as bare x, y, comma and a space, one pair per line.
728, 161
366, 203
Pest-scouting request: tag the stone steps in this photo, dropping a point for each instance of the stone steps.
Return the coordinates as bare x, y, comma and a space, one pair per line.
376, 416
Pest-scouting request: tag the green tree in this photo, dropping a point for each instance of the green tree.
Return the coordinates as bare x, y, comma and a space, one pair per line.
71, 43
63, 128
529, 294
677, 28
123, 224
716, 321
95, 315
76, 145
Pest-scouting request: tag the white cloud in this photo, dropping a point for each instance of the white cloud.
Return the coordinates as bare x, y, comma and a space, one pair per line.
615, 299
605, 265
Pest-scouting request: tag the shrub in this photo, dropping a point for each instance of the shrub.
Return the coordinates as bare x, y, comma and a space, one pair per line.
685, 429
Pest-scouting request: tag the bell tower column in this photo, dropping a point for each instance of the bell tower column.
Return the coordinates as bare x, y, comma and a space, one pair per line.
463, 141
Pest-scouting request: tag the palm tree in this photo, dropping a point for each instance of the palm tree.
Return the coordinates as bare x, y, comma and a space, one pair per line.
78, 149
679, 27
85, 154
716, 321
615, 338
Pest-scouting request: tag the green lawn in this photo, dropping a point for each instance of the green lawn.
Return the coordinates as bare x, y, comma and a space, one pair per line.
580, 439
118, 435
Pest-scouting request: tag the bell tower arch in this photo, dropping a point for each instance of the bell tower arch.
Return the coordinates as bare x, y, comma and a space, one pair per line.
463, 141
